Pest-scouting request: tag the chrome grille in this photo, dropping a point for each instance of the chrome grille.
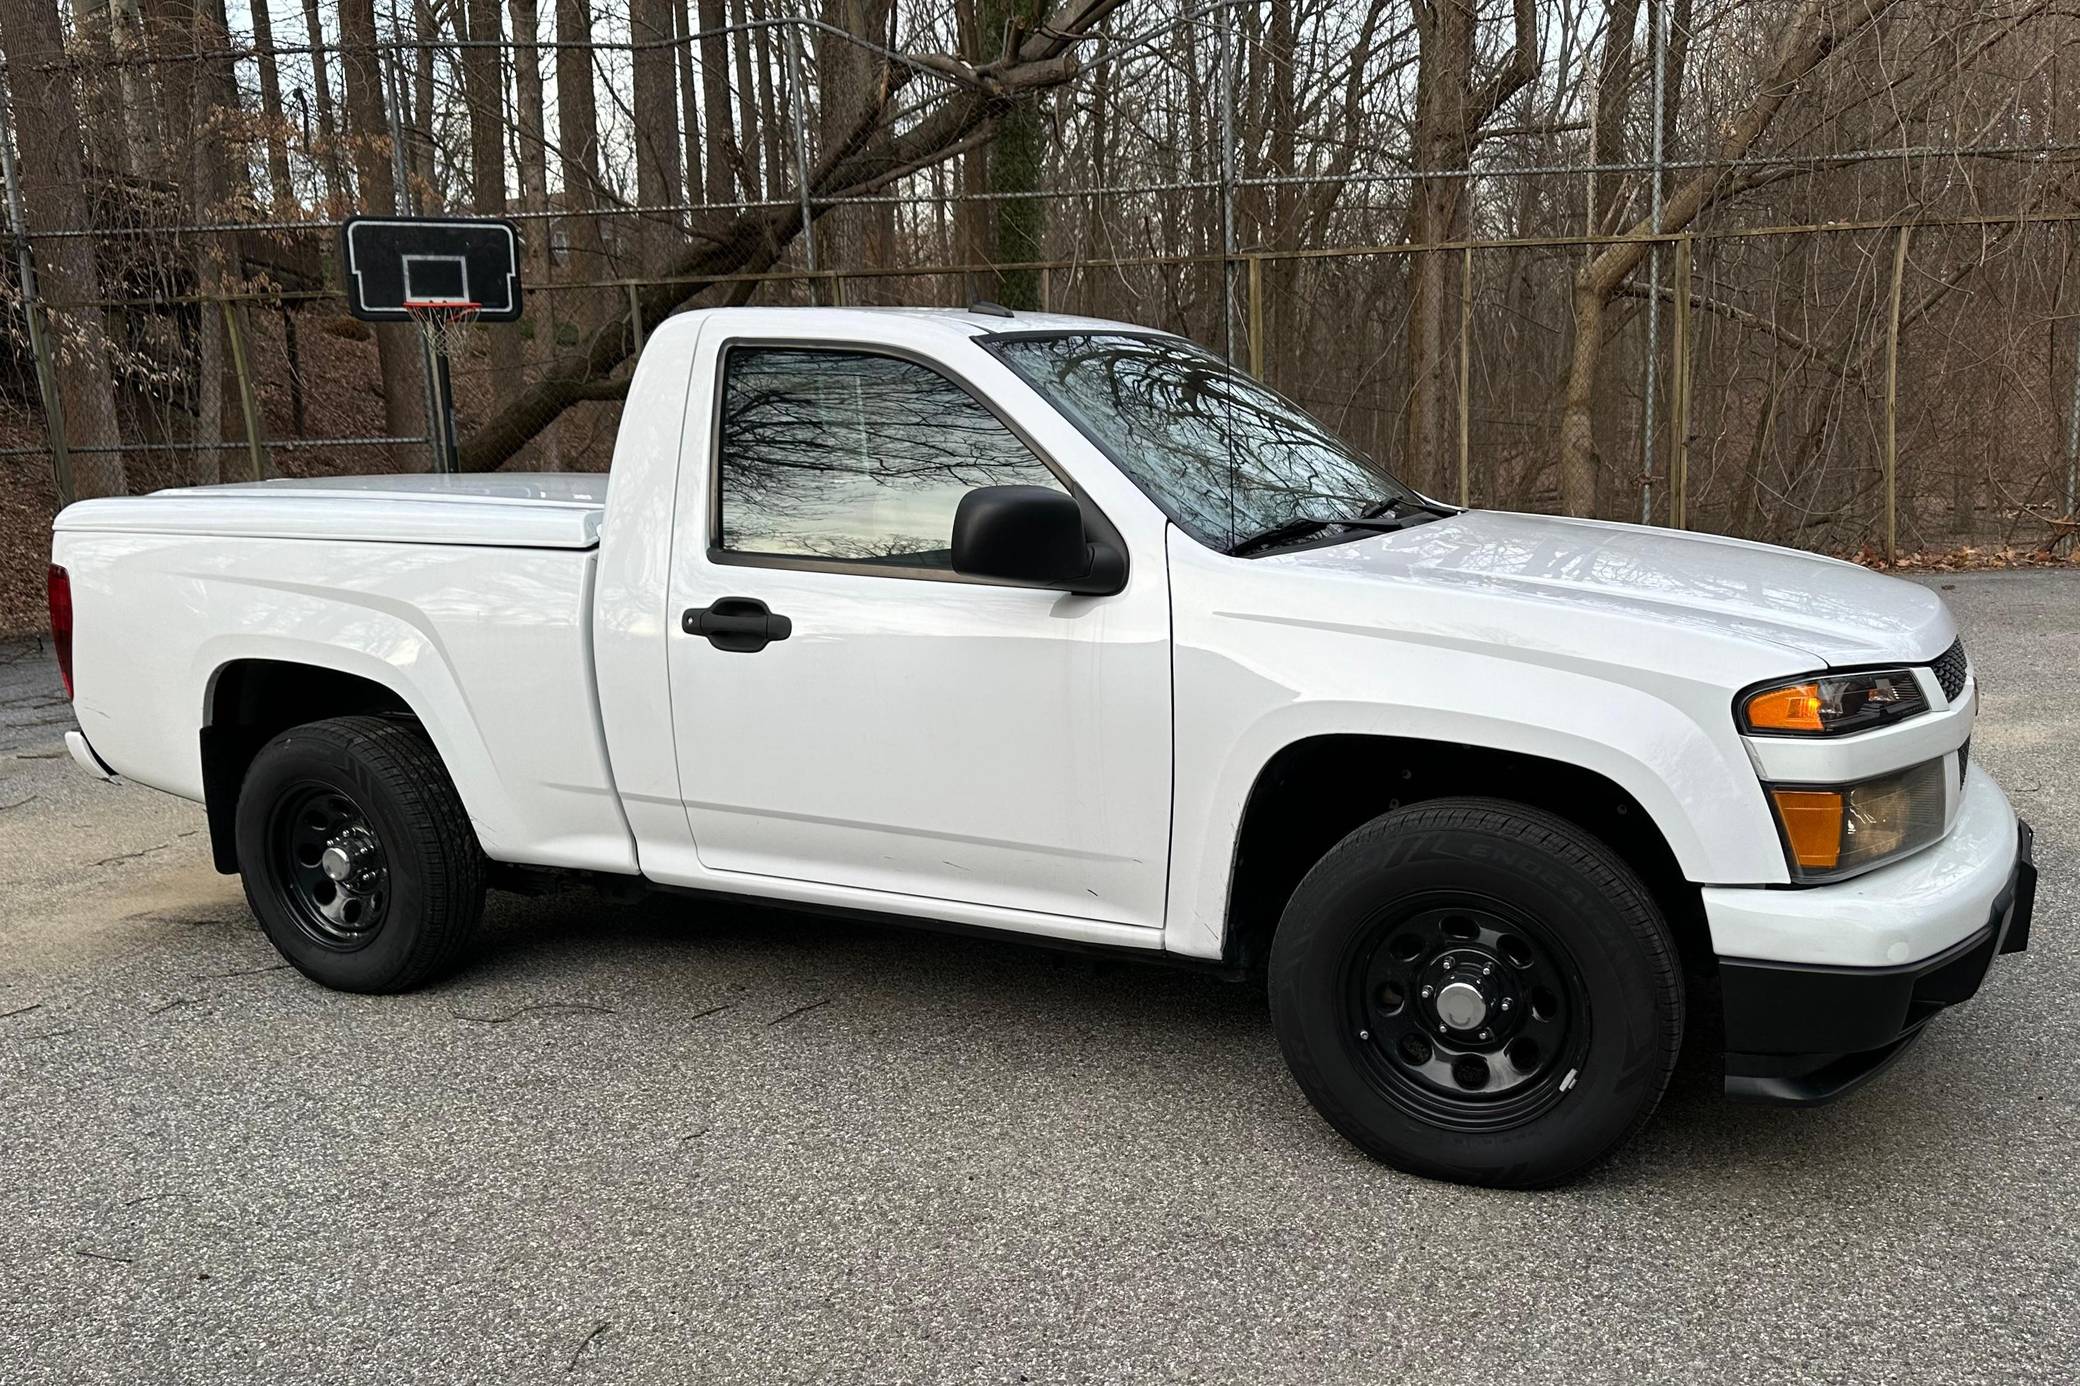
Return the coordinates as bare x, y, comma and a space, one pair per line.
1950, 667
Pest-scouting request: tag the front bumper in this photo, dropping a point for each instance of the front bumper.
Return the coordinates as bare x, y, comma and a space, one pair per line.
1802, 1033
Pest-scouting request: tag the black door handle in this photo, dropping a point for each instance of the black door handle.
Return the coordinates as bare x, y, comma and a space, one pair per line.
736, 623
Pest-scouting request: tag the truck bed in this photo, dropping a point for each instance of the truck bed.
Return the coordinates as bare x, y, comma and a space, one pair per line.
546, 510
468, 598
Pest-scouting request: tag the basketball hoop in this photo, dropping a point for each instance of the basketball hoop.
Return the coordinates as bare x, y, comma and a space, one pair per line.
447, 325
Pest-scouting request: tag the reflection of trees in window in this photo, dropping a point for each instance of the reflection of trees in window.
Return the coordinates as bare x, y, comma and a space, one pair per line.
833, 454
1221, 453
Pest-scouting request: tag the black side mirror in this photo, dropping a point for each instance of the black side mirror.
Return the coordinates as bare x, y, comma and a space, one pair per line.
1034, 535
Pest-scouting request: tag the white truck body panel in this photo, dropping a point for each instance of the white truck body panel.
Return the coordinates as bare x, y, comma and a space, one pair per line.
489, 646
984, 754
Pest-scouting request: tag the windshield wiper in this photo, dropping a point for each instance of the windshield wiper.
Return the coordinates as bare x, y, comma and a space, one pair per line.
1300, 526
1401, 505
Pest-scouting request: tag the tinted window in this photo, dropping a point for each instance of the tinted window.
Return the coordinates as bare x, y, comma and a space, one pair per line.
1222, 455
851, 456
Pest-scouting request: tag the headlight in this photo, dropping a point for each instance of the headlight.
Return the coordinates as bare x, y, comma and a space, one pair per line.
1833, 704
1836, 831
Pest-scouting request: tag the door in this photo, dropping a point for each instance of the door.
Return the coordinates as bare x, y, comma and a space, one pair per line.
849, 711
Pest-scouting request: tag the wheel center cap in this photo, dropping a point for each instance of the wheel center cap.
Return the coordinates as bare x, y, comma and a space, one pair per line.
1461, 1005
335, 863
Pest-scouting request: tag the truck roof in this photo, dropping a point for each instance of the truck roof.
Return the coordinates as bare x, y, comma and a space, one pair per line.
968, 321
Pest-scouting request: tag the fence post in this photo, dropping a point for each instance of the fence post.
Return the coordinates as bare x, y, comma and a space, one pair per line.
1658, 37
1047, 288
1256, 316
248, 406
1899, 271
2073, 438
1679, 386
1465, 370
635, 315
32, 311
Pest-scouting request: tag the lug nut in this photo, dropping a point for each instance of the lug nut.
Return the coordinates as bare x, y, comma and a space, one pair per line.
1506, 1003
1426, 993
1487, 1034
1487, 970
1364, 1034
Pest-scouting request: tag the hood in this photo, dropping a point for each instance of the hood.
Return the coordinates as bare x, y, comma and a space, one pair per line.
1832, 612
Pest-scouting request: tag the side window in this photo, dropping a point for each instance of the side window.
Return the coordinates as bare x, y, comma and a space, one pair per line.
852, 456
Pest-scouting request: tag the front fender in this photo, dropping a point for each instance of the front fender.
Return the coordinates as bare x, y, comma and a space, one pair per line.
1248, 685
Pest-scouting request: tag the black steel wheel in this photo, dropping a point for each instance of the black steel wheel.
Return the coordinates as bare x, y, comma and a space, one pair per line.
358, 857
1478, 991
1469, 1011
331, 868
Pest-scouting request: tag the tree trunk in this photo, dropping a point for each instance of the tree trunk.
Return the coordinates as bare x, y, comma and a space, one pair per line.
748, 132
397, 346
655, 108
972, 230
1017, 162
722, 157
419, 138
100, 85
850, 80
689, 101
483, 89
1616, 80
577, 131
54, 198
218, 418
274, 123
338, 195
778, 134
1452, 107
531, 152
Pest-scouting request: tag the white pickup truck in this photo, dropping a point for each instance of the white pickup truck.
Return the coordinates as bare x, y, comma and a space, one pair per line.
1064, 628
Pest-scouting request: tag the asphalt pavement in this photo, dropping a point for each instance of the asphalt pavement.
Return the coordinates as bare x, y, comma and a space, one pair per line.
667, 1142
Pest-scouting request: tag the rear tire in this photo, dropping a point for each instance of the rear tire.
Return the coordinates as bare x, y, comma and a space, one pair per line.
357, 855
1477, 991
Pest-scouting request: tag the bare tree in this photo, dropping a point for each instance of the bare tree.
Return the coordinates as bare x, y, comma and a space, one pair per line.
47, 134
1817, 29
1454, 102
656, 124
888, 143
398, 358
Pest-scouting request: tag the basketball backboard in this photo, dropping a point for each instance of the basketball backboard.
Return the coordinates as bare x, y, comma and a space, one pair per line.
393, 263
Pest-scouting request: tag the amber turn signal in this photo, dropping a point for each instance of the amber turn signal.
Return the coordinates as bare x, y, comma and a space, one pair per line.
1792, 708
1833, 704
1812, 820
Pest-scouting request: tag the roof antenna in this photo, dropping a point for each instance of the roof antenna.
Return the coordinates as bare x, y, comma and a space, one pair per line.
988, 309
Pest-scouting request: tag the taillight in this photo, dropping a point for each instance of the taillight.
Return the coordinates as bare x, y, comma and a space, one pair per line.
59, 585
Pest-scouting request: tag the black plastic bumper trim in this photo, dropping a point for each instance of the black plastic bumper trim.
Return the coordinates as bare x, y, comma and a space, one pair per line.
1801, 1034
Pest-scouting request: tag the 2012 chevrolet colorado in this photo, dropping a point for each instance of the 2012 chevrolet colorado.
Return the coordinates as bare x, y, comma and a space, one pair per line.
1066, 628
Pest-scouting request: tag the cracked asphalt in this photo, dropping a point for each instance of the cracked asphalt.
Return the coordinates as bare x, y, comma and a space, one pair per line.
662, 1142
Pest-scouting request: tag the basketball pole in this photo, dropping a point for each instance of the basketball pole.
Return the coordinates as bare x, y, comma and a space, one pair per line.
440, 419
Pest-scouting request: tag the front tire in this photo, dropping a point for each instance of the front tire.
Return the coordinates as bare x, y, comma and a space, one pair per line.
357, 855
1477, 991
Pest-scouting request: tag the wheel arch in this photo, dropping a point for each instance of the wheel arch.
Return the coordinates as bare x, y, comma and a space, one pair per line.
248, 702
1315, 791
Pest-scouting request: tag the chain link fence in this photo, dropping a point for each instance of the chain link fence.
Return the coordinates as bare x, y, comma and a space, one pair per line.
1866, 352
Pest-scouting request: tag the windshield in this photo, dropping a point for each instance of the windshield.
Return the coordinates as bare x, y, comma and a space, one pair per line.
1225, 457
